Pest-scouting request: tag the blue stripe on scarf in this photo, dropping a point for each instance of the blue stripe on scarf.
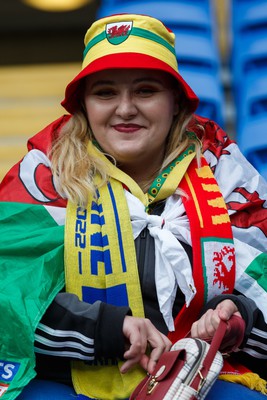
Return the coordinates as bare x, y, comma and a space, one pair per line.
116, 295
118, 227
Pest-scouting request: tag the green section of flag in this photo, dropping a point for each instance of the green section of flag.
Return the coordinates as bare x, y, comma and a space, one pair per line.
258, 270
32, 273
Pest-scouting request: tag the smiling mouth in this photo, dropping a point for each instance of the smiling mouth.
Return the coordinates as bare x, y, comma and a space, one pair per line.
127, 128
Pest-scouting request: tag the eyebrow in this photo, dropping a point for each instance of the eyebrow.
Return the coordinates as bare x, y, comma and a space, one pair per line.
139, 80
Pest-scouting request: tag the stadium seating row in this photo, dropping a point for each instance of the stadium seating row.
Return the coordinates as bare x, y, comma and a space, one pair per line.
249, 78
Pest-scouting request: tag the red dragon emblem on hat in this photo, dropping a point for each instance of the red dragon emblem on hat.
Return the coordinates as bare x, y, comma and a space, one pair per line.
118, 32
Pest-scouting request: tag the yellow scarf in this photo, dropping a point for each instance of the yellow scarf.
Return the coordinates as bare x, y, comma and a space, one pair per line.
100, 264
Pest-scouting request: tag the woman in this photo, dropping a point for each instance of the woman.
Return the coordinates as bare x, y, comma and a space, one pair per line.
122, 239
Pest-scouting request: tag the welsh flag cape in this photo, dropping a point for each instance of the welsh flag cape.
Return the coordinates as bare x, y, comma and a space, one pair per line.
32, 270
32, 218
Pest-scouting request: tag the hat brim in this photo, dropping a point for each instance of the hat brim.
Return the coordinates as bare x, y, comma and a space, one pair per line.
74, 92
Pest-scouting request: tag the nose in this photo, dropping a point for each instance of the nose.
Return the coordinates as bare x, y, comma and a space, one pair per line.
126, 107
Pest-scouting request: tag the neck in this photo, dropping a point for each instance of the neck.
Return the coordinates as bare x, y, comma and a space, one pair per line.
143, 176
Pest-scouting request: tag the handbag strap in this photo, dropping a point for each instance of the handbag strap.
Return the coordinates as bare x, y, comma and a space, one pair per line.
214, 347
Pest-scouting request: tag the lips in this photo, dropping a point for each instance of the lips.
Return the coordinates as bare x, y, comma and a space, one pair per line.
127, 128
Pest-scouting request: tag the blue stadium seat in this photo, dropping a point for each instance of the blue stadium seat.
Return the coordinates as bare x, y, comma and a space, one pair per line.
198, 62
249, 44
253, 98
116, 2
249, 68
207, 4
197, 51
248, 15
249, 56
187, 15
209, 90
253, 142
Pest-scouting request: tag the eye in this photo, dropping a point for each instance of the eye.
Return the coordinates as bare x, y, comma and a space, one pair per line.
146, 91
104, 93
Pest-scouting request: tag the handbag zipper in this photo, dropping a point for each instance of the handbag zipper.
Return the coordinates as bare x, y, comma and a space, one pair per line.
195, 369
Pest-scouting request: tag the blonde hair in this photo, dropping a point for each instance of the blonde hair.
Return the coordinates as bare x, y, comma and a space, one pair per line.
74, 168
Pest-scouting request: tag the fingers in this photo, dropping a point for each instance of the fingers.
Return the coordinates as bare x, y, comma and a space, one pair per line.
206, 326
135, 332
159, 346
140, 333
226, 309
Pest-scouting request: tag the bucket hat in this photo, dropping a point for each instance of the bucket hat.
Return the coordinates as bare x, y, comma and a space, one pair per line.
127, 41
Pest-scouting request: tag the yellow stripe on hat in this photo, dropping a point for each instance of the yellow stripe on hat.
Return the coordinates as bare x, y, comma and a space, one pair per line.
132, 45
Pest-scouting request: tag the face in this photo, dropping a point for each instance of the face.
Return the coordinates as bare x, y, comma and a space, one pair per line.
130, 113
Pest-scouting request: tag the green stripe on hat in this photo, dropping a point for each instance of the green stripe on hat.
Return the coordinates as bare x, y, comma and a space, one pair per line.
143, 33
152, 36
93, 42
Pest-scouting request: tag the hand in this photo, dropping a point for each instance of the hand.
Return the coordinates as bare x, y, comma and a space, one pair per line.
140, 333
206, 326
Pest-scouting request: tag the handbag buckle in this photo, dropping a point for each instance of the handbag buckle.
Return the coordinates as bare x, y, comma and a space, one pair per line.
201, 382
151, 385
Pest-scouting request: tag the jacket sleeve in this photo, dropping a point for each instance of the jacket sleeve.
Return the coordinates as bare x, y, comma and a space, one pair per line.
246, 307
253, 350
77, 330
